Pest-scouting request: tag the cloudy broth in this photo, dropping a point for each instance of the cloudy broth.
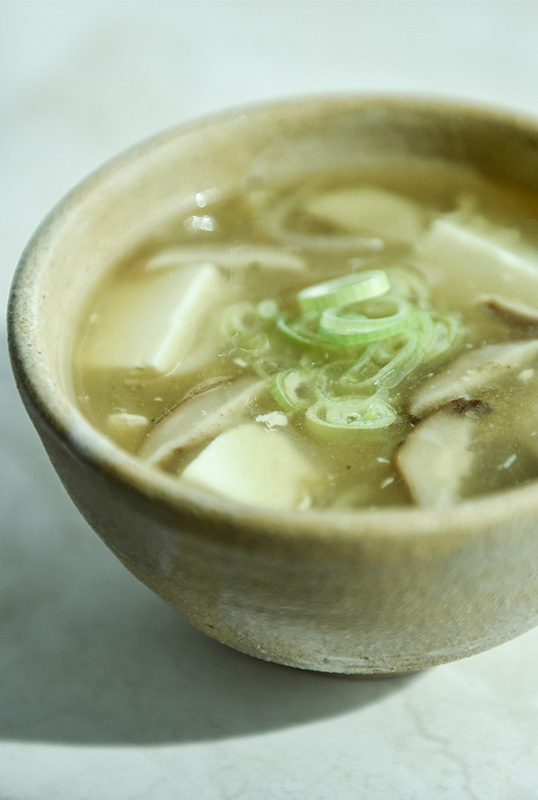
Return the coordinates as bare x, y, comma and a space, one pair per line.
204, 349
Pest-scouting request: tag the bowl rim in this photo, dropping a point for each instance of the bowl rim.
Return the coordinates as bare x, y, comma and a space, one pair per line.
97, 452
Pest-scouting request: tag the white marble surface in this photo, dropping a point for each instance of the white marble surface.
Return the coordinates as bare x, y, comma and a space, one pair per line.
104, 693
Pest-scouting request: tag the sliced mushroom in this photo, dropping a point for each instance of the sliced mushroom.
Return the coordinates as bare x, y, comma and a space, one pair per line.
436, 458
512, 311
199, 417
472, 372
223, 255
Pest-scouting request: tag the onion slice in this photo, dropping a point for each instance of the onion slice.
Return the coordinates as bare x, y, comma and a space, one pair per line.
349, 327
344, 290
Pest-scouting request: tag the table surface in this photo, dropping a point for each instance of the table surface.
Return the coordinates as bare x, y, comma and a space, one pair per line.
104, 693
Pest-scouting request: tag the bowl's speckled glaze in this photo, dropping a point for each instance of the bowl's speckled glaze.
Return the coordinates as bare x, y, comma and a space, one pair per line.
370, 593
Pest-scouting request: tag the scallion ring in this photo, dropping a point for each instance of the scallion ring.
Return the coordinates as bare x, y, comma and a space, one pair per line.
349, 414
303, 330
385, 368
343, 326
344, 290
294, 389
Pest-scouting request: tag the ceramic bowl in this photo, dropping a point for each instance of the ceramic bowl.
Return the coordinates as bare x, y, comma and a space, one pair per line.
372, 592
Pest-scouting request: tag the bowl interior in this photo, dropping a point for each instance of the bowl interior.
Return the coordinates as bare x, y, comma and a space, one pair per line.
141, 192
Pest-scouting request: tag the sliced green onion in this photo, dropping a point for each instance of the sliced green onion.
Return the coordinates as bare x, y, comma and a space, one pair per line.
383, 368
332, 370
340, 325
349, 414
344, 290
241, 318
354, 340
303, 330
423, 321
267, 365
295, 390
447, 334
254, 344
364, 368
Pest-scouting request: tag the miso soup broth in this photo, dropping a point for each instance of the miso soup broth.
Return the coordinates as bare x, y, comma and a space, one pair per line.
348, 341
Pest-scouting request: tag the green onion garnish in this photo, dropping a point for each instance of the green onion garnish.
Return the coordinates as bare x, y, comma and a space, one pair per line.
350, 327
295, 389
351, 342
344, 290
349, 414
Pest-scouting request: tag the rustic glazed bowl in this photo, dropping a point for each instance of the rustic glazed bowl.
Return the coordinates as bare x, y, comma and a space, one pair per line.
364, 592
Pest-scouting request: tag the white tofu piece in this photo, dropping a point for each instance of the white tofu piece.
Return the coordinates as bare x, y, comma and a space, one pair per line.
371, 211
200, 417
151, 321
254, 465
240, 257
471, 258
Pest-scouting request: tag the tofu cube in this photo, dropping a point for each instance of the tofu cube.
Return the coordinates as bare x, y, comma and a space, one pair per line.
254, 465
151, 322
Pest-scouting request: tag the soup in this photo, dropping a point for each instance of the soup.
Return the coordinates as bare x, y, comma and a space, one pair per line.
343, 342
